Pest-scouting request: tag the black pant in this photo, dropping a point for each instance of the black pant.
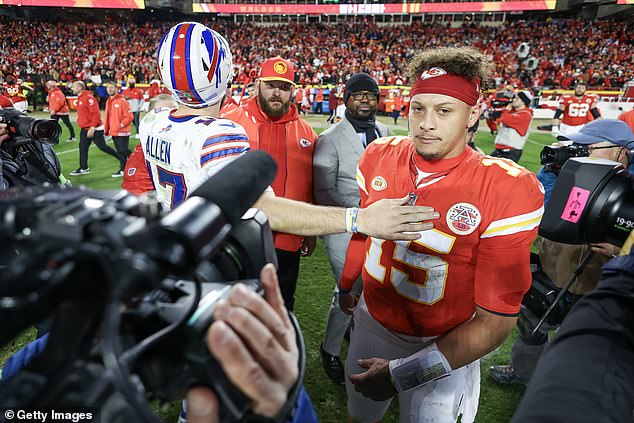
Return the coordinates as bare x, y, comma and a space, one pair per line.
122, 146
508, 153
66, 121
333, 115
136, 120
288, 262
100, 142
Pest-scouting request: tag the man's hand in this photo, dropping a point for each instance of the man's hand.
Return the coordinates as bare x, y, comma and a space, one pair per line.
91, 132
605, 249
348, 302
308, 245
376, 382
254, 341
4, 133
392, 219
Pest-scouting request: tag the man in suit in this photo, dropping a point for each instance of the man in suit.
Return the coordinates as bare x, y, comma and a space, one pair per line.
335, 159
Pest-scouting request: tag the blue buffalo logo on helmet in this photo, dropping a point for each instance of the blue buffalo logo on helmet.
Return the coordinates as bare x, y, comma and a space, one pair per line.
195, 64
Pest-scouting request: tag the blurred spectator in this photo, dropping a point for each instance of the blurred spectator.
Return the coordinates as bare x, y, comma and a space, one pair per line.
134, 96
58, 107
117, 124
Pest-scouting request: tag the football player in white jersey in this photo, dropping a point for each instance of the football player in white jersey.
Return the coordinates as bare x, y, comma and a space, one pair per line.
186, 145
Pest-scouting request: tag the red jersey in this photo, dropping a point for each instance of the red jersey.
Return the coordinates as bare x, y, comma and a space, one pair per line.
576, 108
477, 254
14, 91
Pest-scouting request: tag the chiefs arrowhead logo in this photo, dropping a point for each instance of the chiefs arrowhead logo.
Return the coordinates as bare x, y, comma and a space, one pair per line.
280, 67
432, 73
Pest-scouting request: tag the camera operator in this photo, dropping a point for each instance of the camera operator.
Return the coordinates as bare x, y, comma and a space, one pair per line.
513, 127
588, 370
605, 139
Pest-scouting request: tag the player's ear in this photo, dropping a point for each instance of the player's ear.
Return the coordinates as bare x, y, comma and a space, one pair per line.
474, 113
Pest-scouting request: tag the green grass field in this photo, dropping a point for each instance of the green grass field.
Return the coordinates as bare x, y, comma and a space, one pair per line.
497, 403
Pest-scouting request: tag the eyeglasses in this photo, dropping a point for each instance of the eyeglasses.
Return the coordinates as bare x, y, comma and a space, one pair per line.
371, 95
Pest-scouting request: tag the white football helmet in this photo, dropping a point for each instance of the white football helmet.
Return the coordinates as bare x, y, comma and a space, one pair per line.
195, 64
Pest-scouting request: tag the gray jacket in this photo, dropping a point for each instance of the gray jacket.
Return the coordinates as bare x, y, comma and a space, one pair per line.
337, 153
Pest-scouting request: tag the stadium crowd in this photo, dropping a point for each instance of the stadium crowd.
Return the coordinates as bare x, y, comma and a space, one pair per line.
566, 50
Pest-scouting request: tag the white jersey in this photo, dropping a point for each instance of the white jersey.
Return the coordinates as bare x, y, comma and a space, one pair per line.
181, 152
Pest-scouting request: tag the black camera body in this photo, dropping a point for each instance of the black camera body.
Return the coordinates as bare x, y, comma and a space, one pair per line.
23, 128
592, 202
27, 156
554, 157
123, 284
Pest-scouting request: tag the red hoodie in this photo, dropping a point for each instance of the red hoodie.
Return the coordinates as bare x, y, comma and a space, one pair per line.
291, 142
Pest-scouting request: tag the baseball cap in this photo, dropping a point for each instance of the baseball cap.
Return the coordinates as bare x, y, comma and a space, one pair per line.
277, 69
610, 130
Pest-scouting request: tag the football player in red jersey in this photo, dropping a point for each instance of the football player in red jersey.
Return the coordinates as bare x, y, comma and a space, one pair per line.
15, 90
574, 108
432, 307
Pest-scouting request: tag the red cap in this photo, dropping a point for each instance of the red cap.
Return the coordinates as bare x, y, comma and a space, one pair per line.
277, 69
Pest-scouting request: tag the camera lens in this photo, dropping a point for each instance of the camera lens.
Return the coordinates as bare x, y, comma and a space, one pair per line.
547, 156
45, 130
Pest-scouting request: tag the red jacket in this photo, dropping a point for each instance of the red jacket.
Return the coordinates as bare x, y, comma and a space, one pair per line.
118, 116
136, 178
520, 120
88, 114
57, 102
291, 142
134, 93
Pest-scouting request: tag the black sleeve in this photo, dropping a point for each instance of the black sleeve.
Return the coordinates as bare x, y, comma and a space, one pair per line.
587, 373
595, 113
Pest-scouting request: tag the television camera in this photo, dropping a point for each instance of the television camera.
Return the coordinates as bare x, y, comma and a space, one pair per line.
132, 291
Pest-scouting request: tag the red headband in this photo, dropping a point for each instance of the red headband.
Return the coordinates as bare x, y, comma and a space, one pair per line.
438, 81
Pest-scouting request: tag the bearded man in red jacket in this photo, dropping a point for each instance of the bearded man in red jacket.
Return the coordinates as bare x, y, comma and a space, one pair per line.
272, 123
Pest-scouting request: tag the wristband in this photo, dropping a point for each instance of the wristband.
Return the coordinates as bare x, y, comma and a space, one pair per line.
351, 219
427, 365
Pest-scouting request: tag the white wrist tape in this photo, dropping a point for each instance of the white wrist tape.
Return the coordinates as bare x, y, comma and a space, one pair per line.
425, 366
